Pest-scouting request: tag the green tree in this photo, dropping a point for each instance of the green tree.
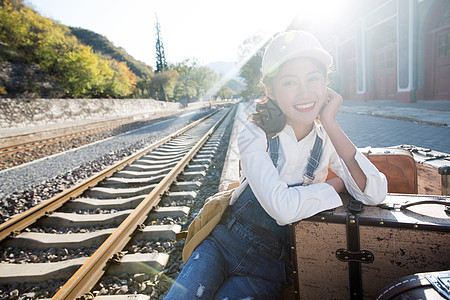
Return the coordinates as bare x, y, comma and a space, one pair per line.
163, 84
252, 50
194, 80
79, 73
123, 81
143, 88
205, 78
185, 87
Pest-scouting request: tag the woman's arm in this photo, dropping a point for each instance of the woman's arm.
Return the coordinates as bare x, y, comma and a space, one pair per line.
337, 183
344, 147
284, 204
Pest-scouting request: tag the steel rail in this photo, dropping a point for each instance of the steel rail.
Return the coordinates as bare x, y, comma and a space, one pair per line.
89, 273
30, 216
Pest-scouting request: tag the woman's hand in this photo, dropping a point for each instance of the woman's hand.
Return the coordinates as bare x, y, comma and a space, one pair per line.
331, 107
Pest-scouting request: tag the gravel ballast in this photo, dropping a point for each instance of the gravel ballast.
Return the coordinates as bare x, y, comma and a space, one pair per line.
152, 285
27, 185
15, 159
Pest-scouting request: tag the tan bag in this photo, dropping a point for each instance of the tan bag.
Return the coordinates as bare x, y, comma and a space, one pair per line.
399, 167
207, 218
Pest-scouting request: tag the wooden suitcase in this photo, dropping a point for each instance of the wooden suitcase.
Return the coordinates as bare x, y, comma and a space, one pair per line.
399, 167
353, 253
433, 168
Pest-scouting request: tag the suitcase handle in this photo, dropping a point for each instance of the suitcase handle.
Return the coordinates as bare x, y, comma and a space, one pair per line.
405, 206
446, 209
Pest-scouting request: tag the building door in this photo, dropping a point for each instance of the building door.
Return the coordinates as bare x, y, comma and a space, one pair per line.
385, 85
437, 51
441, 78
385, 61
350, 84
348, 72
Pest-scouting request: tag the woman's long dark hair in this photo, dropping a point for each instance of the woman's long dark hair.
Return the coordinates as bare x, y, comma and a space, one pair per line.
268, 116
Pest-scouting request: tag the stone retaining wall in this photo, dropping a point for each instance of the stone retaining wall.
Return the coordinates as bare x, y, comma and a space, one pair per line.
16, 113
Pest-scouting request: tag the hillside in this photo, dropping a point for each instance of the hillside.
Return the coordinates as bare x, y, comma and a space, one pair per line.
100, 44
19, 78
41, 58
37, 55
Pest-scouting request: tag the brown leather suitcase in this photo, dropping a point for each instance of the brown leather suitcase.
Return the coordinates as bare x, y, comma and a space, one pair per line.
432, 285
433, 168
354, 251
398, 165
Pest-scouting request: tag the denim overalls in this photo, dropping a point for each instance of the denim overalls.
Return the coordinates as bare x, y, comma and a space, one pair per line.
247, 255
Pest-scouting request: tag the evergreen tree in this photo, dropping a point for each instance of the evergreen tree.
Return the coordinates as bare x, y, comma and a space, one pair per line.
161, 63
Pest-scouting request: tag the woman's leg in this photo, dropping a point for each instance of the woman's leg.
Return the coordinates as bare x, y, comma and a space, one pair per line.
202, 274
247, 287
256, 276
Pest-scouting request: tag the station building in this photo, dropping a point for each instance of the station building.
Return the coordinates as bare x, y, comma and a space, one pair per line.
390, 50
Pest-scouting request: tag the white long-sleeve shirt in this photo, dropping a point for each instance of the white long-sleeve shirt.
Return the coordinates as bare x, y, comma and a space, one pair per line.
290, 204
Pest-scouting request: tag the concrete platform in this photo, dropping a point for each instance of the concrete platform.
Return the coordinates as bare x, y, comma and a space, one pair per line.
230, 171
435, 113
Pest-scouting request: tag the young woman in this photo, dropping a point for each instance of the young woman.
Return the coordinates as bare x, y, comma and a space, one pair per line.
246, 256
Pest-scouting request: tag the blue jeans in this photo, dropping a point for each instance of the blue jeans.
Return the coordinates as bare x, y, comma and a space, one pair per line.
246, 256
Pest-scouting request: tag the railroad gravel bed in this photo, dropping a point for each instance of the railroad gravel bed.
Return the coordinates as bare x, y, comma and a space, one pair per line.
14, 255
153, 285
19, 158
26, 186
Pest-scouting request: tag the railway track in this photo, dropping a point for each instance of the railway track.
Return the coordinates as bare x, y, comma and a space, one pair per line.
27, 145
115, 222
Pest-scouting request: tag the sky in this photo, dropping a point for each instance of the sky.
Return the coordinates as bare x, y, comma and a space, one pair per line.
207, 30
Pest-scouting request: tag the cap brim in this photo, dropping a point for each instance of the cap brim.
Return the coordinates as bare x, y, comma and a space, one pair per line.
318, 54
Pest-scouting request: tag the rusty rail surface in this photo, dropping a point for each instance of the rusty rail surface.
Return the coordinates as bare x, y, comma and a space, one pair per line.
89, 273
30, 216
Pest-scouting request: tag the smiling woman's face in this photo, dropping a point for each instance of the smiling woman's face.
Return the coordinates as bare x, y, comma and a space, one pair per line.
300, 90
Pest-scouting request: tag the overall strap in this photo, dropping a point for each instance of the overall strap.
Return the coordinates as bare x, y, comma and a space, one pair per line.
274, 144
313, 161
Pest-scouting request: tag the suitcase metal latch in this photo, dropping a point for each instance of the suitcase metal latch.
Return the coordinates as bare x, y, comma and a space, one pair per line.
441, 282
363, 256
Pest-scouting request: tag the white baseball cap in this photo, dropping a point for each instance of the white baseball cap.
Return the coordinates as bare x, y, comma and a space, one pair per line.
291, 44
